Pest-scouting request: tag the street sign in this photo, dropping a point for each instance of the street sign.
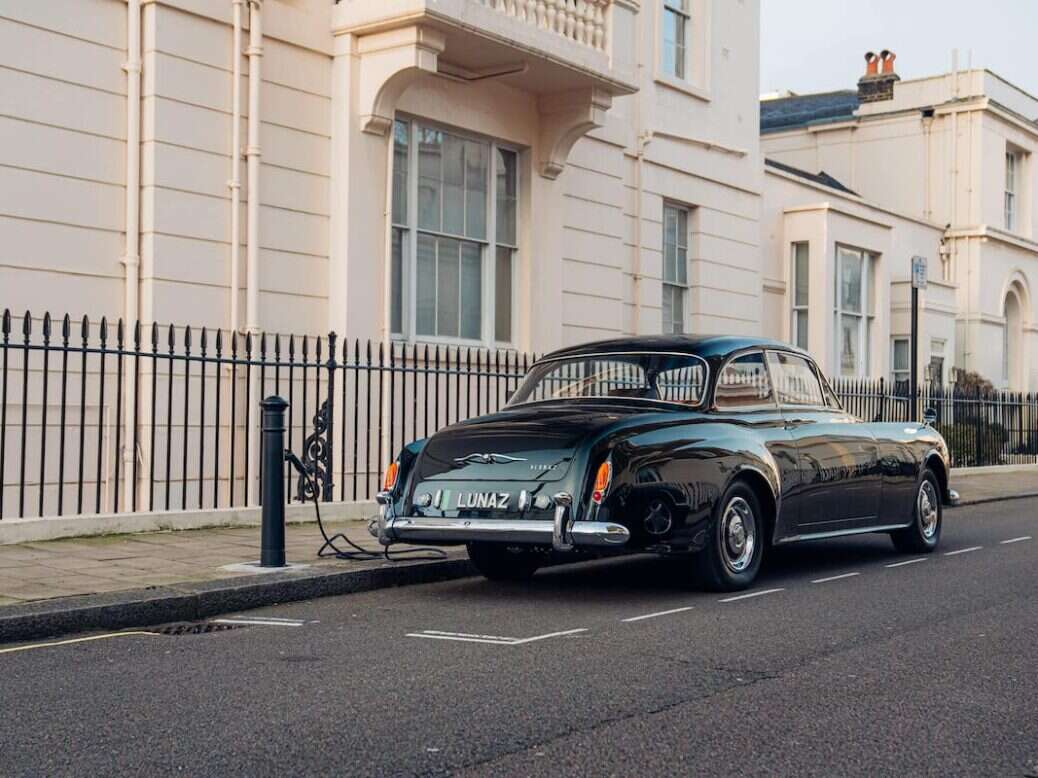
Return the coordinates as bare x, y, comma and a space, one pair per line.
919, 272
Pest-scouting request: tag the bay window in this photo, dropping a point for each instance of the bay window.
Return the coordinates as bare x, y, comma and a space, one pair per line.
853, 311
454, 236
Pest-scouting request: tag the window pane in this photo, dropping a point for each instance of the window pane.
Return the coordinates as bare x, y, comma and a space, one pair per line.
401, 142
679, 309
670, 34
668, 310
447, 277
682, 266
503, 295
800, 274
430, 178
471, 291
902, 355
396, 316
801, 327
850, 337
476, 162
453, 185
850, 281
507, 195
795, 381
425, 286
743, 382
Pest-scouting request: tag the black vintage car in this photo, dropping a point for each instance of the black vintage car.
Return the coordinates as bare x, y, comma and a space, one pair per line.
713, 448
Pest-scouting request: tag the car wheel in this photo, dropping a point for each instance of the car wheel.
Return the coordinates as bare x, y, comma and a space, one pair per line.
923, 535
499, 562
733, 555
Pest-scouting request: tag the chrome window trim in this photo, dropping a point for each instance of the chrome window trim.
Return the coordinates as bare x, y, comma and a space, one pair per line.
698, 406
772, 406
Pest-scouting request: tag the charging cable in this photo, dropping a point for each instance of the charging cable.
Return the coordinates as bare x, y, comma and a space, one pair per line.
357, 553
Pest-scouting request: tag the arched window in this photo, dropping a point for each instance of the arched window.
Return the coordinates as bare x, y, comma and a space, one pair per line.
1012, 338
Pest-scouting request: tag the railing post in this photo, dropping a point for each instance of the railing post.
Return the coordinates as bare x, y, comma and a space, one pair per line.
272, 537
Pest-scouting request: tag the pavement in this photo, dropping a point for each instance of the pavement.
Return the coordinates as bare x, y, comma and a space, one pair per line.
847, 658
62, 586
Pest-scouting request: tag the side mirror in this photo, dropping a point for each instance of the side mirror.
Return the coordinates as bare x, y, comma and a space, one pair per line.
930, 417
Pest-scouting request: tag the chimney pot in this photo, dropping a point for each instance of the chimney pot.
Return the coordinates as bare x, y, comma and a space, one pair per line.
888, 61
871, 63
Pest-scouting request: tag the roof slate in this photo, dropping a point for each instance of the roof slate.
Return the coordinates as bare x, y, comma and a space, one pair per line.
821, 177
800, 110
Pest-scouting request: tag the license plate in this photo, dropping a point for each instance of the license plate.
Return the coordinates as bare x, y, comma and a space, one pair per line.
495, 500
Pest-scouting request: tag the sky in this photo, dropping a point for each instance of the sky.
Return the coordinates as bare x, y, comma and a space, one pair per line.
819, 45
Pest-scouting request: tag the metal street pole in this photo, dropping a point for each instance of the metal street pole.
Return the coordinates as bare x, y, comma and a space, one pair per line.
918, 282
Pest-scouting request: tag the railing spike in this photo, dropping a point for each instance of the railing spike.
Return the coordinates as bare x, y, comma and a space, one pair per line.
104, 330
27, 325
7, 322
46, 326
154, 336
84, 328
66, 328
203, 340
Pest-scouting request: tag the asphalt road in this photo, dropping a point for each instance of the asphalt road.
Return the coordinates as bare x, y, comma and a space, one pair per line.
849, 659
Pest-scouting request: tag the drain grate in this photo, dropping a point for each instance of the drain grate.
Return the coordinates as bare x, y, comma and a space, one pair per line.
195, 628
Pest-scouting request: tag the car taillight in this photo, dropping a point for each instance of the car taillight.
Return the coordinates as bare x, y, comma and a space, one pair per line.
390, 480
602, 479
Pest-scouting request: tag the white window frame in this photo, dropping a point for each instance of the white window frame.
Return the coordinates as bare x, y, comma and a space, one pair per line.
1013, 159
866, 315
681, 11
488, 245
903, 374
937, 349
804, 308
675, 284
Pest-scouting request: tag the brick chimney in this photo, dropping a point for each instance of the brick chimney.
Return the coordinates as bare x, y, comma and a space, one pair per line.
878, 82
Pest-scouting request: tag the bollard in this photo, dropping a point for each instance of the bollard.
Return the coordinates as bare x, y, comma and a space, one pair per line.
272, 536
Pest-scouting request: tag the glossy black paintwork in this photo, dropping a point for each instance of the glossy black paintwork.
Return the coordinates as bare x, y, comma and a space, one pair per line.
818, 471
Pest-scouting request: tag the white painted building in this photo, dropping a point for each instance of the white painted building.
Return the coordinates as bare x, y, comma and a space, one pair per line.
943, 168
495, 172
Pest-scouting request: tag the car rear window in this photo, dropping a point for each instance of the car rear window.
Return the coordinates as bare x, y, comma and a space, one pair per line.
678, 378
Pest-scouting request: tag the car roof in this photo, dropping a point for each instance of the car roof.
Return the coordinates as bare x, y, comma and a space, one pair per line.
709, 347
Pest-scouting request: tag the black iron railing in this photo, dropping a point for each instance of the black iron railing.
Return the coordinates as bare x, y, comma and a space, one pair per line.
981, 427
96, 418
101, 418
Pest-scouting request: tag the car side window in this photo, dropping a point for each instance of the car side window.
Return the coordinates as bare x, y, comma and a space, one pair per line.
795, 381
744, 383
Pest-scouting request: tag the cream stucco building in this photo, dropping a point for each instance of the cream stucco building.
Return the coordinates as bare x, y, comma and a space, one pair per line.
938, 167
519, 173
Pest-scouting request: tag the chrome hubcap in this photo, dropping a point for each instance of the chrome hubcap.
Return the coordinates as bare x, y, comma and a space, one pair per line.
738, 534
926, 506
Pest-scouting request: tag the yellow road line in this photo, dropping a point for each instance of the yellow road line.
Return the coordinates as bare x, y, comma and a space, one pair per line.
77, 640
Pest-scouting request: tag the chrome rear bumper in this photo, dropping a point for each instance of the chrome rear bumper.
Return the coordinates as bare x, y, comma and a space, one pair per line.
560, 534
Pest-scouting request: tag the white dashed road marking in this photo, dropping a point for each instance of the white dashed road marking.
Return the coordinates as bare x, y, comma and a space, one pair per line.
751, 594
834, 578
963, 550
1015, 540
907, 562
497, 640
261, 622
660, 613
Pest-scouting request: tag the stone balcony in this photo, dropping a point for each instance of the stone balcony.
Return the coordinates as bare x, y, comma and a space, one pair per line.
556, 44
572, 54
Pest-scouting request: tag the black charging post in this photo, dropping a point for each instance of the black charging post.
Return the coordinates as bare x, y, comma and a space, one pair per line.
272, 489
